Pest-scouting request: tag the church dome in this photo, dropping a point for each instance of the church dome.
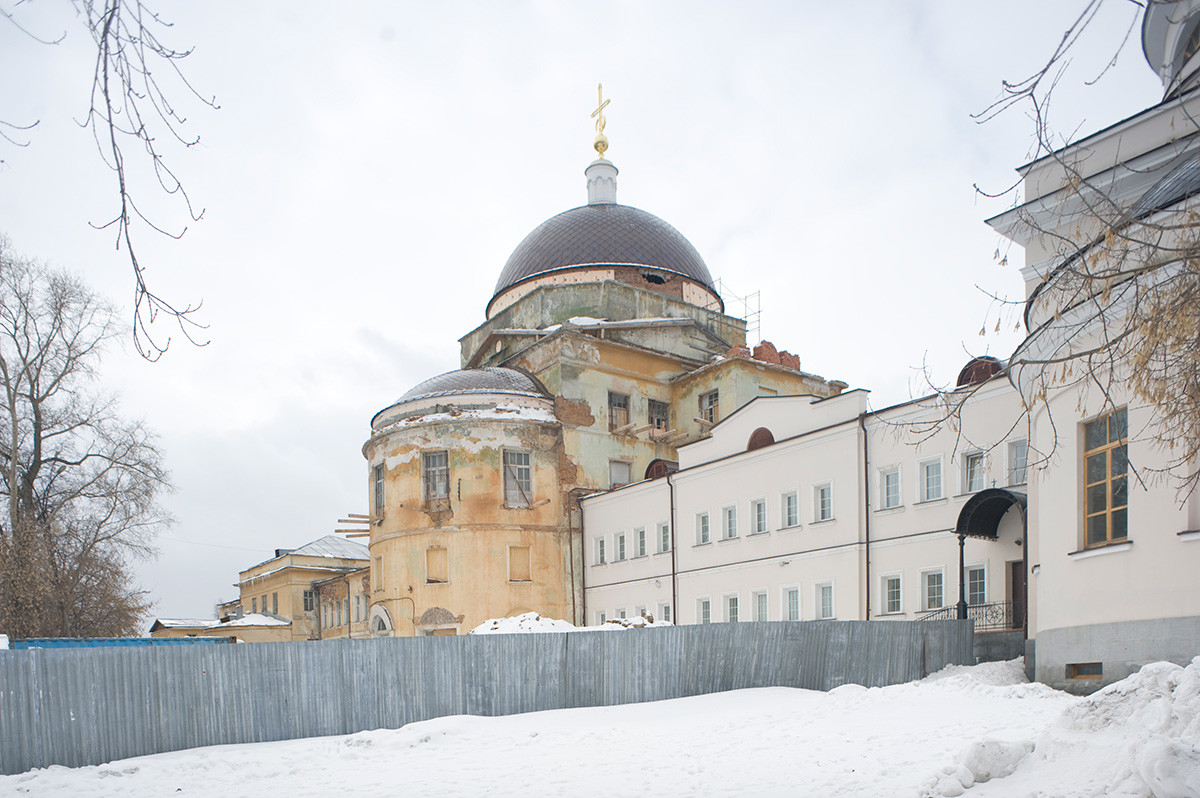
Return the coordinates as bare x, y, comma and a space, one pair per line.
475, 381
603, 234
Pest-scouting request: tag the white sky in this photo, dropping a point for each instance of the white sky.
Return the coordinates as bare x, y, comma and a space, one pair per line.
373, 165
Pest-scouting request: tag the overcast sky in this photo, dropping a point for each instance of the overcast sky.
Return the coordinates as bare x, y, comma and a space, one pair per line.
372, 166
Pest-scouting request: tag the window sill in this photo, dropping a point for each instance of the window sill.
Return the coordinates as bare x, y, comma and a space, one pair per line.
899, 508
888, 614
929, 502
728, 540
790, 528
822, 521
702, 545
1099, 551
520, 581
759, 534
1189, 535
638, 557
660, 553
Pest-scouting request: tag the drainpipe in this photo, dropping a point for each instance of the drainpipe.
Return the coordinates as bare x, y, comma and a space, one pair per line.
862, 425
577, 613
674, 553
349, 623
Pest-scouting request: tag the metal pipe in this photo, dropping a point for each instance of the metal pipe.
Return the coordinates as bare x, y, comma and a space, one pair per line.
862, 424
674, 552
962, 582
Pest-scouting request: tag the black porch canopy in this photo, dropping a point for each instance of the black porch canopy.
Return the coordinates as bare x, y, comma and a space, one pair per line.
980, 516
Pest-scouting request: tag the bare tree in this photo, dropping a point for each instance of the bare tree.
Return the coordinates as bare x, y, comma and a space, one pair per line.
80, 483
129, 105
1115, 317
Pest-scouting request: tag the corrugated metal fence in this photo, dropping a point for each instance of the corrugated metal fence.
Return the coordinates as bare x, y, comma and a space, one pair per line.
88, 706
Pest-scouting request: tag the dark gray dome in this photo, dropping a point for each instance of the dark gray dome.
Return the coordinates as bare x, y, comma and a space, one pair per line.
469, 381
603, 234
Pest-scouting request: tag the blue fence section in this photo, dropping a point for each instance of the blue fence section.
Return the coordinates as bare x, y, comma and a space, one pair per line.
115, 642
73, 706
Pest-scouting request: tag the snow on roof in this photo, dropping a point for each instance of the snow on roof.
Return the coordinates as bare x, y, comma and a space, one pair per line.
334, 546
253, 619
531, 623
172, 623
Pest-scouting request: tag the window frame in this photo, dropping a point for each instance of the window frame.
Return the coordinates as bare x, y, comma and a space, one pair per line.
598, 551
1011, 472
653, 418
709, 403
379, 490
886, 595
664, 537
704, 610
760, 520
819, 589
976, 456
732, 607
889, 499
512, 479
789, 517
703, 529
664, 612
926, 584
785, 597
971, 568
619, 405
619, 546
924, 493
729, 522
434, 489
760, 605
819, 504
639, 541
1109, 451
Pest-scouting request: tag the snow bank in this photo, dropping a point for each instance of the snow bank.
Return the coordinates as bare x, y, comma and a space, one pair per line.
531, 622
1137, 737
528, 623
3, 642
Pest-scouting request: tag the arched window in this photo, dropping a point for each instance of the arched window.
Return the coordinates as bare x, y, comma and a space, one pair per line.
759, 438
660, 468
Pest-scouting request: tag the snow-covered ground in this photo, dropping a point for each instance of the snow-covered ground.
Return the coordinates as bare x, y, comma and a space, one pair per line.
533, 623
981, 729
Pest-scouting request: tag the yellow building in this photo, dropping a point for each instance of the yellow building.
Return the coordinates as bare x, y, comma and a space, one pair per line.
605, 347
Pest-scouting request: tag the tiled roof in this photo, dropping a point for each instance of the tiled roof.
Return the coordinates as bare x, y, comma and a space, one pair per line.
603, 234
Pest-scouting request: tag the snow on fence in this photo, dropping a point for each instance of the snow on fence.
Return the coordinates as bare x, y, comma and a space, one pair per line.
88, 706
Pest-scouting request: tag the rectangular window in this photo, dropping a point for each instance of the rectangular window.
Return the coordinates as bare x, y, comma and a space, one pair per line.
710, 407
759, 602
618, 410
758, 516
933, 590
338, 607
310, 600
639, 542
731, 609
639, 612
1106, 484
601, 618
275, 603
600, 551
519, 567
729, 528
357, 608
377, 478
1085, 670
704, 611
435, 475
437, 567
889, 487
518, 479
346, 608
891, 594
976, 585
264, 602
621, 613
620, 548
931, 480
1018, 462
254, 606
823, 502
974, 472
664, 612
658, 414
825, 601
792, 594
702, 535
619, 473
377, 573
664, 538
790, 509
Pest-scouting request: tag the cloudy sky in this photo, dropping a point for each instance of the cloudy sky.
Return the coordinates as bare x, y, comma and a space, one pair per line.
372, 165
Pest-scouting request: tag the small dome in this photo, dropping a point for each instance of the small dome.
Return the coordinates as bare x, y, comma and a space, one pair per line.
472, 381
979, 369
603, 234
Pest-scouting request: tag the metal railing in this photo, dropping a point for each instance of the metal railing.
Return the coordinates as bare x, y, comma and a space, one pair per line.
991, 617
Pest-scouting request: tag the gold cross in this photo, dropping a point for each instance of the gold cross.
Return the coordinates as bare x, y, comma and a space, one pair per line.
599, 112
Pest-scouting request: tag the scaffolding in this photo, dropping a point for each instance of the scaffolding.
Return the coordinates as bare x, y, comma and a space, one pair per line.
751, 306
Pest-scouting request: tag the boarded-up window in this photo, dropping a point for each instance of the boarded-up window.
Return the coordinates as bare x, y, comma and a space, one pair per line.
436, 566
519, 566
619, 473
618, 410
377, 572
518, 479
760, 438
658, 414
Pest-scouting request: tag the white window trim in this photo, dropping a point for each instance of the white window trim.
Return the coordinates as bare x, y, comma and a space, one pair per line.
658, 528
785, 603
754, 594
725, 518
882, 472
817, 519
664, 609
883, 579
783, 497
925, 592
972, 566
700, 615
620, 549
708, 524
1008, 461
922, 491
963, 474
639, 543
753, 516
725, 597
817, 600
599, 551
